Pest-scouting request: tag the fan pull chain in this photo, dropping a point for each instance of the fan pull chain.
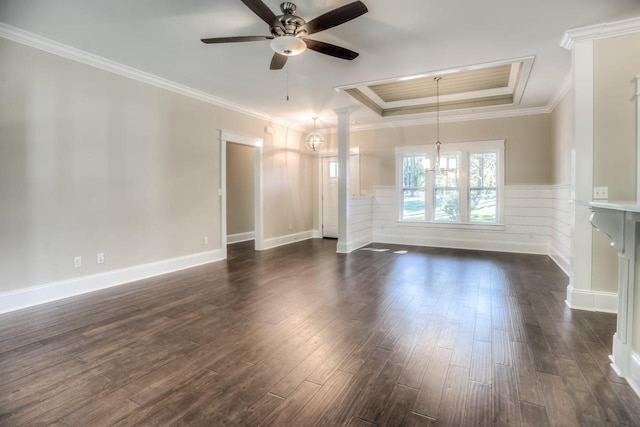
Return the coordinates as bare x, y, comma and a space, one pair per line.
287, 83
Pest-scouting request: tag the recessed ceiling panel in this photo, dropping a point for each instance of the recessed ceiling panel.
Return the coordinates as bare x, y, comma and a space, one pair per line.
470, 87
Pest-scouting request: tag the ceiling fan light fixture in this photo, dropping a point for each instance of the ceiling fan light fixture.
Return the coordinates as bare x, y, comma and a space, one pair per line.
288, 45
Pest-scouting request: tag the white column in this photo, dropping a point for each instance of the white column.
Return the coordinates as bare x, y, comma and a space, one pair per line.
638, 138
343, 179
581, 233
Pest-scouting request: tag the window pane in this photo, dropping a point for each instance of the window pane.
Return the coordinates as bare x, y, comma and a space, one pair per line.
483, 170
482, 205
447, 205
413, 175
413, 205
333, 169
447, 175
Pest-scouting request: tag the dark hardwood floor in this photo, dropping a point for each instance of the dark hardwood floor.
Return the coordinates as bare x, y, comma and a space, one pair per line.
301, 336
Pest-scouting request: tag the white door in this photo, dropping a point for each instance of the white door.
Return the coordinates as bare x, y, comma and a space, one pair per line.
330, 197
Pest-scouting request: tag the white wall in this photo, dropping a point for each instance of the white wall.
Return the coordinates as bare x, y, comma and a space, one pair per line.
92, 161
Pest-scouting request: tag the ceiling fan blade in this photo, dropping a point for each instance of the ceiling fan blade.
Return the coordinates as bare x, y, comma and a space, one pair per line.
335, 17
278, 61
262, 10
331, 50
236, 39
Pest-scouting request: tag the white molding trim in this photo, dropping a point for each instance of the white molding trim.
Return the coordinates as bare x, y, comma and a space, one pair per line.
240, 237
355, 244
23, 298
274, 242
459, 243
600, 31
592, 300
626, 363
30, 39
563, 89
461, 116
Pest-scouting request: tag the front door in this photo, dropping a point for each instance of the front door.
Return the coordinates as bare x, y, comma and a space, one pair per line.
330, 197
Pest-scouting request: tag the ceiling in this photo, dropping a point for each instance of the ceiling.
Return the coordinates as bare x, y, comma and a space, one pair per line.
399, 38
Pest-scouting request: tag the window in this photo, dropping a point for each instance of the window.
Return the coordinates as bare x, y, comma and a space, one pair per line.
465, 190
483, 190
333, 169
413, 188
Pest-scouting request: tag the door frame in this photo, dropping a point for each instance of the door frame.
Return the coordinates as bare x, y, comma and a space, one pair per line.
258, 209
354, 151
321, 159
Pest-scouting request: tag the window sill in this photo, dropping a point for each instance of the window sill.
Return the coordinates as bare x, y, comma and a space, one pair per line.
451, 225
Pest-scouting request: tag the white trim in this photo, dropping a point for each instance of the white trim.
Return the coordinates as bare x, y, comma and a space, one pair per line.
316, 234
459, 243
240, 237
637, 95
241, 139
465, 115
562, 90
356, 244
626, 363
592, 300
24, 37
274, 242
496, 144
600, 31
49, 292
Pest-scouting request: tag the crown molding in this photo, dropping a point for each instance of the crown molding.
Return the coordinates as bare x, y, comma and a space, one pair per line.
486, 115
42, 43
562, 90
600, 31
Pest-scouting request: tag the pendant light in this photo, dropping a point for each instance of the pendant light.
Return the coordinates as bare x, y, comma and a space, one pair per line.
314, 139
437, 166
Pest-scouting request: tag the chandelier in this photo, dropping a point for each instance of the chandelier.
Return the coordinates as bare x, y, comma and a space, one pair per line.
314, 139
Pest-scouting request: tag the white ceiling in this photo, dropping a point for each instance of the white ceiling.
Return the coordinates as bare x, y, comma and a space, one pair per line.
396, 38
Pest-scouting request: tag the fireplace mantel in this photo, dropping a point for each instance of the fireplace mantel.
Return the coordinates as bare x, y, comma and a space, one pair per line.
618, 220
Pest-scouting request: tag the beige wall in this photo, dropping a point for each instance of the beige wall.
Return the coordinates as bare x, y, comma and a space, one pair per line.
95, 162
616, 64
562, 124
528, 142
240, 189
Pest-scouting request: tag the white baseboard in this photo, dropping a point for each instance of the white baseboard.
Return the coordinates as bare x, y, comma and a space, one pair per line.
352, 245
241, 237
316, 234
592, 300
15, 300
274, 242
626, 362
457, 243
561, 260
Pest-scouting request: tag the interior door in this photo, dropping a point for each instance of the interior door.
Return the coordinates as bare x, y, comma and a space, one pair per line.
330, 197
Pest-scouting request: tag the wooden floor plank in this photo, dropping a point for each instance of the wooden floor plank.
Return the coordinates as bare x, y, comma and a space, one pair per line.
437, 337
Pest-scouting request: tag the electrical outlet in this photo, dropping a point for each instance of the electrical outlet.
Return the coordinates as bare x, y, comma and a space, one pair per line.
205, 240
100, 258
77, 261
600, 193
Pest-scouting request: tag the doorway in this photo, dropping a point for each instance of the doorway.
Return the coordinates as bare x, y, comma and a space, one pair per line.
255, 144
240, 193
330, 197
329, 190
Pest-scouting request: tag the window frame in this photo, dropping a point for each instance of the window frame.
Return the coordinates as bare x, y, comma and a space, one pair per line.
464, 150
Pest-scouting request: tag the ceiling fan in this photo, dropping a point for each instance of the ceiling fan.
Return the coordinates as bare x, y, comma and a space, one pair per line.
288, 31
